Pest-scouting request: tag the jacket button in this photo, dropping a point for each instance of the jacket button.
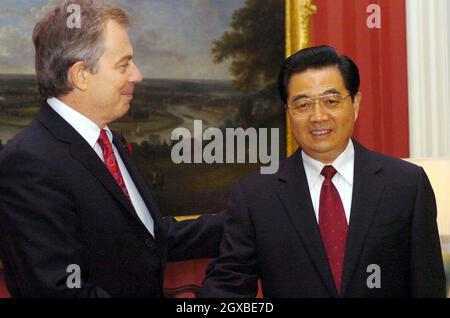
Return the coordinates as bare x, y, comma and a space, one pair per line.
150, 243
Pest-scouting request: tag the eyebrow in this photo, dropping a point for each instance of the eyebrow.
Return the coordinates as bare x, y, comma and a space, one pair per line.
296, 98
125, 58
329, 91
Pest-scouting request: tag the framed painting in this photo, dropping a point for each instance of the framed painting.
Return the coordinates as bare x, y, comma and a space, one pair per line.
209, 62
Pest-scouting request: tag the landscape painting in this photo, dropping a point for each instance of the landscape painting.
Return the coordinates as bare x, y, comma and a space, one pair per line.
211, 60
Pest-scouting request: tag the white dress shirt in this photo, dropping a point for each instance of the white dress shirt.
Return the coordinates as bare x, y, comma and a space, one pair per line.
343, 180
91, 132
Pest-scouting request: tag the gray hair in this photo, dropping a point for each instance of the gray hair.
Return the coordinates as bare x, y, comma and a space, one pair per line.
58, 46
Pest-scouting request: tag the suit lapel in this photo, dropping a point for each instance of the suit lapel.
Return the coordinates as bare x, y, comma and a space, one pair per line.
296, 198
83, 152
140, 183
367, 190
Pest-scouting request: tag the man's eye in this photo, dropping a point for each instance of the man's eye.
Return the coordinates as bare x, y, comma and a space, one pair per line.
304, 104
331, 101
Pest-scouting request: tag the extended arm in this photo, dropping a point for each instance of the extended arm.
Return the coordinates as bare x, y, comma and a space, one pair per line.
198, 238
234, 273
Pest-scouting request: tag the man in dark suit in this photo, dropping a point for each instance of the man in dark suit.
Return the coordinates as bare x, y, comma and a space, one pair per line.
336, 220
76, 217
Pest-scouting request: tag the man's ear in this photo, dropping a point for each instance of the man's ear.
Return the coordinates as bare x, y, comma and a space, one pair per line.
356, 104
78, 75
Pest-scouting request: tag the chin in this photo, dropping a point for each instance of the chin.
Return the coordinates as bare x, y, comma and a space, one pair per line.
120, 114
125, 109
322, 147
321, 144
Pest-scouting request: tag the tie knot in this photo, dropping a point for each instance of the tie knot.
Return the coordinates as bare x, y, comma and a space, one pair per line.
328, 172
103, 140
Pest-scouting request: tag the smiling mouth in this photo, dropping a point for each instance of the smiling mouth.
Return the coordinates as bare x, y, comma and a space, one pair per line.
320, 133
128, 92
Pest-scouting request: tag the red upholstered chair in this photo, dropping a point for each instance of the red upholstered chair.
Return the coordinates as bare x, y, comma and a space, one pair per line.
3, 289
183, 279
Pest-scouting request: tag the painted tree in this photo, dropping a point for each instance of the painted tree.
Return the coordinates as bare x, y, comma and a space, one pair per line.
255, 45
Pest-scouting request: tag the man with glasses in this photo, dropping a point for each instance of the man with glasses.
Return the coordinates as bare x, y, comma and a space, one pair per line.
337, 220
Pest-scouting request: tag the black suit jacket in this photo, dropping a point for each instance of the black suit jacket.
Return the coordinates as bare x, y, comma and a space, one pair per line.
273, 235
59, 205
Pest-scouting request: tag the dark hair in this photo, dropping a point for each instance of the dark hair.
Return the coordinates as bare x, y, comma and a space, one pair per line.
316, 58
58, 47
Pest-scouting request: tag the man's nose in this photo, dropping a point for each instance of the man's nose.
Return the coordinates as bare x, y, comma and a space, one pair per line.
135, 75
318, 113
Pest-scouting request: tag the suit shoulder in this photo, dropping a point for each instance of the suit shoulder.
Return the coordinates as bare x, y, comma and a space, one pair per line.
396, 168
394, 162
34, 148
34, 139
257, 182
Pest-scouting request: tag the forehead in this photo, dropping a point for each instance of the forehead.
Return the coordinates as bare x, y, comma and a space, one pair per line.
116, 41
316, 81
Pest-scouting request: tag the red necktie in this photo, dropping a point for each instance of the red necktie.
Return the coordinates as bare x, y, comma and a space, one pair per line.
333, 225
111, 162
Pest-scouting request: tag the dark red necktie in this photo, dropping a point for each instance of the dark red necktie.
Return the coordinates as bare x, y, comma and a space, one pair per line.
111, 162
333, 225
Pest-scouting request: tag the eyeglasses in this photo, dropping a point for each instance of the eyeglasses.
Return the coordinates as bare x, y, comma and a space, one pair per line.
333, 103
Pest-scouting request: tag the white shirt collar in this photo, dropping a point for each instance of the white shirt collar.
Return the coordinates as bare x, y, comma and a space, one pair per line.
83, 125
344, 164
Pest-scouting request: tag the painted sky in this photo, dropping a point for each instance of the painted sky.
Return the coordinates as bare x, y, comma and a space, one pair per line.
171, 38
